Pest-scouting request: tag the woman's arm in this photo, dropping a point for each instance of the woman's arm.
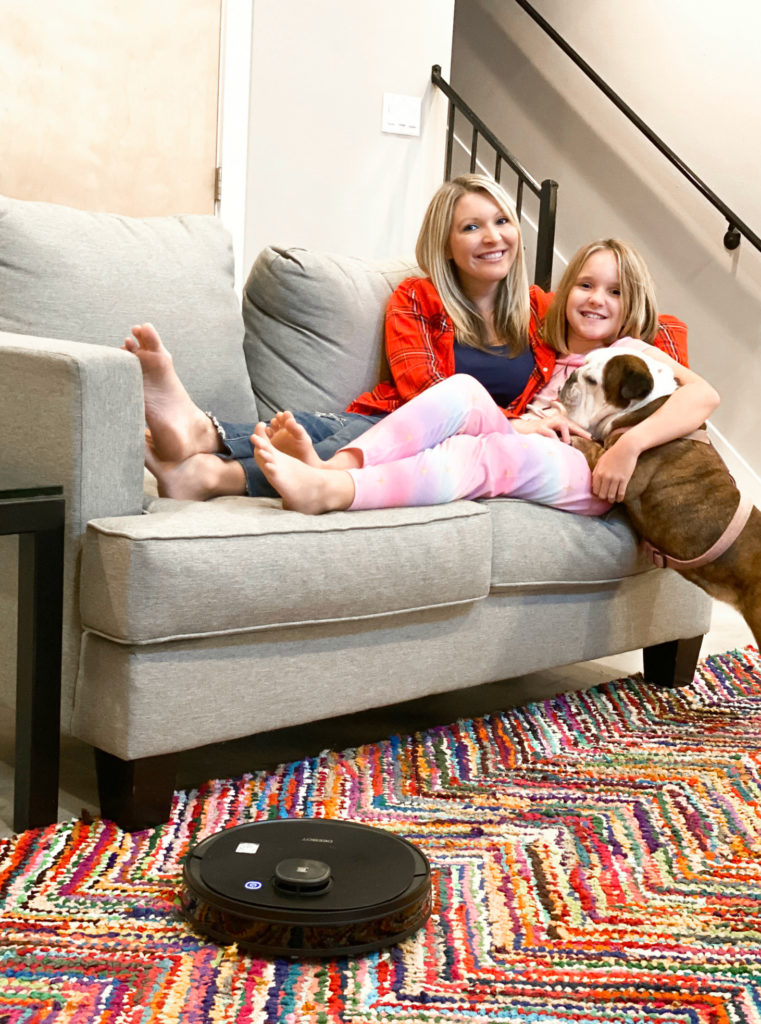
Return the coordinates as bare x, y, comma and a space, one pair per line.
671, 338
419, 344
419, 338
685, 410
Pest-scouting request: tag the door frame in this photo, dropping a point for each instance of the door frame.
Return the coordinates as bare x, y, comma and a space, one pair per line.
237, 18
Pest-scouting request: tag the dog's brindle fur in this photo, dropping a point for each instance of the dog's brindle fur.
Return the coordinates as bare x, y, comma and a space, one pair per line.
681, 498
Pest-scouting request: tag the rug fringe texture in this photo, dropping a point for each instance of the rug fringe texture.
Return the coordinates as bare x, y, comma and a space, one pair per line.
596, 858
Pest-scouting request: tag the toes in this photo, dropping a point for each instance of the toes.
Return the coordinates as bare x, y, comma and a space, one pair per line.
295, 428
148, 336
259, 437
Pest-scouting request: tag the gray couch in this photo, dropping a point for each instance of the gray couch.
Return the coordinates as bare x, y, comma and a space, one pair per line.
190, 623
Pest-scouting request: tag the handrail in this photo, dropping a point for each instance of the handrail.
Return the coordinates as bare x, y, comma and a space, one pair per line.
735, 226
546, 191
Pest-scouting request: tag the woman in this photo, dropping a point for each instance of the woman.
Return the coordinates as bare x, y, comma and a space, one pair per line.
473, 313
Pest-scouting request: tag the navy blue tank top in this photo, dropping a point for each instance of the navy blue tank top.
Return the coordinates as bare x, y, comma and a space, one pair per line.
503, 378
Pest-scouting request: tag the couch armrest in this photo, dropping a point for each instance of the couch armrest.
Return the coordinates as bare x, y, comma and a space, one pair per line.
72, 413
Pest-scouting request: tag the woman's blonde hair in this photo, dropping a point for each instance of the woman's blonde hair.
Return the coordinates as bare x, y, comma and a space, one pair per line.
511, 309
638, 304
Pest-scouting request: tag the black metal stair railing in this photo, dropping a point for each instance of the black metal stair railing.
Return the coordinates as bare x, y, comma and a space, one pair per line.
736, 228
545, 191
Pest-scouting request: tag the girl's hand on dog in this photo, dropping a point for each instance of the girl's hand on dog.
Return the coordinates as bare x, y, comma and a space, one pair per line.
555, 425
614, 471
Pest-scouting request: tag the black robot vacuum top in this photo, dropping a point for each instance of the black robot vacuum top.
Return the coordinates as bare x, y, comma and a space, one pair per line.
306, 887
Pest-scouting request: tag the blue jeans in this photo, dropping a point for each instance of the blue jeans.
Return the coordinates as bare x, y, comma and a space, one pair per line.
329, 432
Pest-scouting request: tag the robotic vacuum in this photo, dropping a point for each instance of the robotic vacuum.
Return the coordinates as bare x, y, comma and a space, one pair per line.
306, 887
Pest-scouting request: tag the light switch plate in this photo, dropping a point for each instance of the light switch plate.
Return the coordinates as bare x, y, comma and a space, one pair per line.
401, 114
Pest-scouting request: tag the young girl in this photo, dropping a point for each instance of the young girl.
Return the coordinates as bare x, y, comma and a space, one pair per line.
473, 313
454, 442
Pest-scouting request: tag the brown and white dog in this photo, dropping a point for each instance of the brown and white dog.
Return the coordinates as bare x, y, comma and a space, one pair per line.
681, 498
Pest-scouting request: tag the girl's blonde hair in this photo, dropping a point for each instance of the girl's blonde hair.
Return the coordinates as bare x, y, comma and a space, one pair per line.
511, 309
638, 304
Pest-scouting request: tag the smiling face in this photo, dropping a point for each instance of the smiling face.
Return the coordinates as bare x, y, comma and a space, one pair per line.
594, 310
483, 243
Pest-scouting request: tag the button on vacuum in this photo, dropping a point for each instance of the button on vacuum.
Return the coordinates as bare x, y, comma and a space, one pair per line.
297, 874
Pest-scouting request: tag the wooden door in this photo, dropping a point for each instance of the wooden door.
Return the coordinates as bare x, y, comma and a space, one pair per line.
107, 105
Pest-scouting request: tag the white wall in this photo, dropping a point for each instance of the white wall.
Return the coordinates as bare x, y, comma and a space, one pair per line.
693, 76
321, 173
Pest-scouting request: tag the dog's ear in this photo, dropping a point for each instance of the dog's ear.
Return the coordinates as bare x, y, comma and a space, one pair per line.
626, 378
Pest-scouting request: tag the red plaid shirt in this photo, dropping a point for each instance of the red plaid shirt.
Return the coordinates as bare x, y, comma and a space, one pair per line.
420, 347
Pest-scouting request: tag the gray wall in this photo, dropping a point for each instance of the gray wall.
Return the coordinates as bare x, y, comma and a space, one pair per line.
694, 80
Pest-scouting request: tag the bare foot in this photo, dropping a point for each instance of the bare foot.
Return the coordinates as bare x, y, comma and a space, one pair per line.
197, 478
303, 488
287, 435
178, 427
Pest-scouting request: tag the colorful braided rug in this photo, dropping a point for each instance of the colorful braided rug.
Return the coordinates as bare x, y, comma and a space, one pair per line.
596, 858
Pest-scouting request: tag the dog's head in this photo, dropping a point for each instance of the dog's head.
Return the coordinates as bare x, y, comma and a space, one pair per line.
611, 382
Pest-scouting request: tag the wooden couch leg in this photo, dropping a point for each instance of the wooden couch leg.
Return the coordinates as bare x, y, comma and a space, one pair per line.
135, 794
672, 663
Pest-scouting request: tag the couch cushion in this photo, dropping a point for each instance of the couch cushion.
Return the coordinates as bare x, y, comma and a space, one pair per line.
232, 565
66, 273
314, 327
565, 549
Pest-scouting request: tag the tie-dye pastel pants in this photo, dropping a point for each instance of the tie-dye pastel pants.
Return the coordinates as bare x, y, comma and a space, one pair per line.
453, 441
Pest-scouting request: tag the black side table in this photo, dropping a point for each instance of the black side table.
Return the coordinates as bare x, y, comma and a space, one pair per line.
36, 514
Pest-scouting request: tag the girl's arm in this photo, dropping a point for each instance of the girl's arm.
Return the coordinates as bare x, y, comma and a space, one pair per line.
552, 425
685, 410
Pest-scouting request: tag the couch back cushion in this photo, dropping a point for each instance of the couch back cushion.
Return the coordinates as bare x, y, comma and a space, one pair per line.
314, 327
88, 277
